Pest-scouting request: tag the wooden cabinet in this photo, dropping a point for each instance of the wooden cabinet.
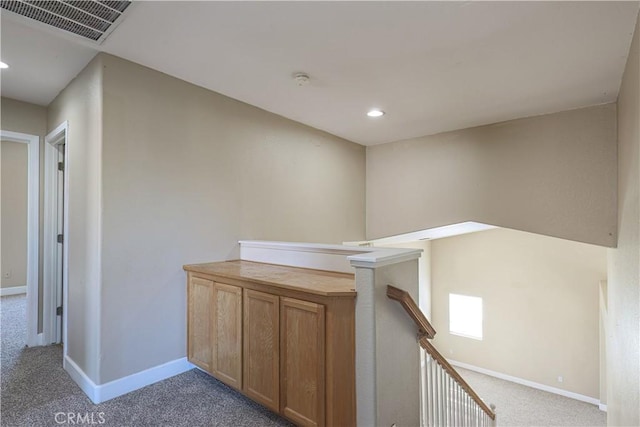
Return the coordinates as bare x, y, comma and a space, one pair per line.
302, 361
283, 336
200, 295
226, 341
262, 348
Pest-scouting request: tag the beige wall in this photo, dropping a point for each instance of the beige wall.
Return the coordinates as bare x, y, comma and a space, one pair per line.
540, 305
14, 213
186, 173
553, 175
623, 344
604, 326
22, 117
80, 103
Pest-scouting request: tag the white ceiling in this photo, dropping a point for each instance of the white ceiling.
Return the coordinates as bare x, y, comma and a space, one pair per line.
432, 66
41, 63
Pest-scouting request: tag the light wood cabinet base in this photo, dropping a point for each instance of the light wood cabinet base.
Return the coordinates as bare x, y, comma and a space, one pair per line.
283, 336
262, 348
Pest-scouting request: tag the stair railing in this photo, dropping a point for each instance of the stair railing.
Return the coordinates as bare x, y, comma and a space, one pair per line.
447, 399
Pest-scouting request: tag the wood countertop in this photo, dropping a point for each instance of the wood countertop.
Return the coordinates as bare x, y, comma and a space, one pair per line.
316, 282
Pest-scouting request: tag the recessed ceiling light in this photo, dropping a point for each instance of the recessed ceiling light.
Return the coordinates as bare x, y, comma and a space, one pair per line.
3, 65
375, 113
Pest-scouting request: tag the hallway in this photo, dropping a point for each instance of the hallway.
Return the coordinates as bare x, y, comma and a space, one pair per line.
36, 391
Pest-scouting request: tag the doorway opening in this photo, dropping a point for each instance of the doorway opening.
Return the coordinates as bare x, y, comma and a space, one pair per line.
56, 222
33, 193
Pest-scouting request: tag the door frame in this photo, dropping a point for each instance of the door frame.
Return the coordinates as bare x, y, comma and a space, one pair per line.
33, 228
50, 257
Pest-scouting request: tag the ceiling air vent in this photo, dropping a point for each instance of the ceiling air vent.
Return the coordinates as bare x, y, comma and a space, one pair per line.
90, 19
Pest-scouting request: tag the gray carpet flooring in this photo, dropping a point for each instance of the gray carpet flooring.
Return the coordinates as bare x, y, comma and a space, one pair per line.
34, 387
518, 405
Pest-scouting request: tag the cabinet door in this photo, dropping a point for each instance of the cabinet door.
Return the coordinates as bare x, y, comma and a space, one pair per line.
261, 376
199, 296
302, 360
227, 334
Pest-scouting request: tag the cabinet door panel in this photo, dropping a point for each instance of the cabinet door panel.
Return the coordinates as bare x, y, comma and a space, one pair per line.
262, 348
200, 293
302, 357
227, 331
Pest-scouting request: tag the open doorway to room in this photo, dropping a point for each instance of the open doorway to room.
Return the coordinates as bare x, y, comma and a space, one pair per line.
20, 223
14, 218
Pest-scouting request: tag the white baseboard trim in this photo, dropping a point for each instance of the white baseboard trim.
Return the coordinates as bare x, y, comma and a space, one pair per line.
83, 381
37, 341
528, 383
14, 290
602, 407
141, 379
102, 393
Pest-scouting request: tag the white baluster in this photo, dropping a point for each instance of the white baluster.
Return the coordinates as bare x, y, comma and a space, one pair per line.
445, 394
449, 400
473, 411
458, 407
443, 412
463, 413
434, 389
437, 384
425, 389
463, 406
453, 401
429, 392
431, 416
455, 404
467, 410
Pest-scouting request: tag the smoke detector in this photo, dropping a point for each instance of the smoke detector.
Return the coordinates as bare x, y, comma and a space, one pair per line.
302, 79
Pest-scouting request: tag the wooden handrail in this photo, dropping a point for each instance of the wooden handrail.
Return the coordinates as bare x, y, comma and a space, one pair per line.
427, 333
403, 297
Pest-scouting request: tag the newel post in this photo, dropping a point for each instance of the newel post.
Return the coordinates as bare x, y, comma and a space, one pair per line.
387, 354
